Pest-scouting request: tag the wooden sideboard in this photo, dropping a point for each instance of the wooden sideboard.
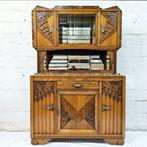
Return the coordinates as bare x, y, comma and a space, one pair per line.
77, 93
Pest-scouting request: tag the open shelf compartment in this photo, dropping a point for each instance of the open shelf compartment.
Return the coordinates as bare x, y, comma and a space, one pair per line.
78, 60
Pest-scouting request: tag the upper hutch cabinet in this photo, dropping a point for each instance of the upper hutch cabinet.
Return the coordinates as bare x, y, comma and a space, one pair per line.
76, 27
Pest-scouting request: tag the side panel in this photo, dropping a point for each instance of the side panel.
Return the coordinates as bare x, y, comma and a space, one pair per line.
109, 29
43, 116
111, 107
43, 29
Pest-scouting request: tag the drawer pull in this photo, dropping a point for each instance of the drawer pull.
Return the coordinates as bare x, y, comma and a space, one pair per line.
77, 85
49, 107
106, 107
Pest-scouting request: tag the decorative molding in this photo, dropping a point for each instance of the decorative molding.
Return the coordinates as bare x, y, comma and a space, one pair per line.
111, 25
33, 30
87, 112
42, 24
41, 89
112, 89
75, 7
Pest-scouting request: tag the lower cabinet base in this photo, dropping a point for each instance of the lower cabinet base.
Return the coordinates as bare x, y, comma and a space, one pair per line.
78, 107
38, 141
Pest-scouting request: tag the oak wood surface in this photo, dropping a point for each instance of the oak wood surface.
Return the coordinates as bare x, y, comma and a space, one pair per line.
76, 104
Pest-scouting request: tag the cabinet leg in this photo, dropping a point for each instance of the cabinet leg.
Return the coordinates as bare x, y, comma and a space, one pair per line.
40, 141
115, 141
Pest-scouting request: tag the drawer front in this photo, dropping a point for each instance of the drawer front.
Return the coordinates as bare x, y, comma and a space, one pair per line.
77, 85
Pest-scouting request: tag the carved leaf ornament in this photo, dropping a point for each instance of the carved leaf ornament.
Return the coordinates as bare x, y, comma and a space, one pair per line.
42, 89
112, 89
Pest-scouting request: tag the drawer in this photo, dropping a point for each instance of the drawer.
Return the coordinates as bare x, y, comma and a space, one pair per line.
77, 85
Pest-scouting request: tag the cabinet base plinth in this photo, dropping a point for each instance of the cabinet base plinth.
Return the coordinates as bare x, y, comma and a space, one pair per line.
40, 141
45, 141
114, 141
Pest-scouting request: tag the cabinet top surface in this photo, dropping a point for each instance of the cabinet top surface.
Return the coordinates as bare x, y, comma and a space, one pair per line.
60, 73
59, 8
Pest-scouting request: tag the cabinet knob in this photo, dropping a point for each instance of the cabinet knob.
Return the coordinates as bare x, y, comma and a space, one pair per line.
77, 85
106, 107
49, 107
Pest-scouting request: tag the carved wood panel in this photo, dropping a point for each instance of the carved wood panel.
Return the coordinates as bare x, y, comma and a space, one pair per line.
107, 29
44, 116
112, 89
41, 89
111, 113
75, 113
42, 24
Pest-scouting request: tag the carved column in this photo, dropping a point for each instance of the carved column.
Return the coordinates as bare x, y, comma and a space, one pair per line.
41, 61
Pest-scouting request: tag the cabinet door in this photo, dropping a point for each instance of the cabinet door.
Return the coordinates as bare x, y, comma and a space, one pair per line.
76, 30
111, 113
77, 111
43, 28
109, 28
43, 104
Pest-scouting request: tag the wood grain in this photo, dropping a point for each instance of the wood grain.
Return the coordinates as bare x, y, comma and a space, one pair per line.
77, 103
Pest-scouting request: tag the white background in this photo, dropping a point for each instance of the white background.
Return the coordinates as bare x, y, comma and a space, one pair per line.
18, 60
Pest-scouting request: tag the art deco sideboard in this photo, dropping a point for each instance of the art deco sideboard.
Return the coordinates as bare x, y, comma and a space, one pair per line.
77, 93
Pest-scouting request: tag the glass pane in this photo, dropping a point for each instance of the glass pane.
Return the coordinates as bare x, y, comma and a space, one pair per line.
77, 29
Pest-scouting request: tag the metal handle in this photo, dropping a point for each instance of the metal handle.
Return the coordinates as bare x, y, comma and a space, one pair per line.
77, 85
51, 29
49, 107
106, 107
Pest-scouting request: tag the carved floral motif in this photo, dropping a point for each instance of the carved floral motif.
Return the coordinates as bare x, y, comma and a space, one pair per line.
111, 25
42, 89
112, 89
42, 23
